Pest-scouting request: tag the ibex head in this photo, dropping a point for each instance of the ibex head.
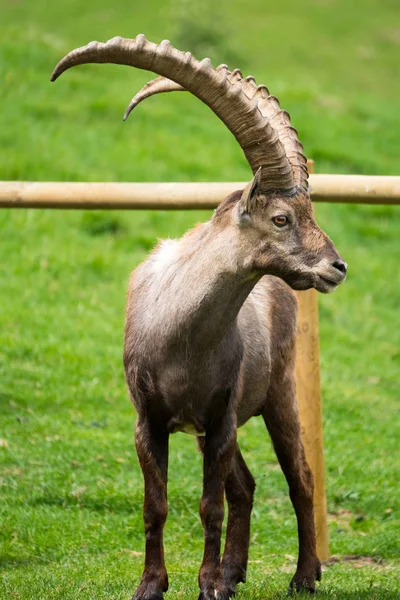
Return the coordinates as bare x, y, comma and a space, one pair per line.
274, 214
279, 236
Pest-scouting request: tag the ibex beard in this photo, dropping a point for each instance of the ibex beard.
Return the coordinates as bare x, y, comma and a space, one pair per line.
211, 322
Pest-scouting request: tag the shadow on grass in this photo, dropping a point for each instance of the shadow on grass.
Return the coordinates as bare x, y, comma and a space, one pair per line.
110, 505
8, 561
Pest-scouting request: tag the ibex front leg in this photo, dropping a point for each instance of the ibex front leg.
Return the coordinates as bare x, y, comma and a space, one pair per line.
152, 450
239, 489
218, 448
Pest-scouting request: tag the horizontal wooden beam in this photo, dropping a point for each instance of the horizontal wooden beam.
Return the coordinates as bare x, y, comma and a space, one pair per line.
355, 189
362, 189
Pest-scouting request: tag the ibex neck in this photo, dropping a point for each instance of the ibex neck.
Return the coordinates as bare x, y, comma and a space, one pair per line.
202, 285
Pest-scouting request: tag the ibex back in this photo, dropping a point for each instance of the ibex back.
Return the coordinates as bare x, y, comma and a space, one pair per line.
211, 322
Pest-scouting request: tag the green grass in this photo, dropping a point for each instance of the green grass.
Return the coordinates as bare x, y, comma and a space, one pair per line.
70, 485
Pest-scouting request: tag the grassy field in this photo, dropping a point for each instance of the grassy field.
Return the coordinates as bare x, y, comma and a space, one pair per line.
70, 485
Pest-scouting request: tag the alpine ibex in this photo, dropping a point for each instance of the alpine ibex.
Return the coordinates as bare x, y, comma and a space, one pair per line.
211, 322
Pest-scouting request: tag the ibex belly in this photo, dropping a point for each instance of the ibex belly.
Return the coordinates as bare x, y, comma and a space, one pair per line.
195, 397
192, 428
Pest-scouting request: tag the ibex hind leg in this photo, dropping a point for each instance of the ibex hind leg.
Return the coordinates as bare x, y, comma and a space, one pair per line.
282, 420
152, 450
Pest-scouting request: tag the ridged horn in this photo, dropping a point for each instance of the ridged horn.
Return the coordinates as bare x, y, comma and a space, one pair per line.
262, 129
156, 86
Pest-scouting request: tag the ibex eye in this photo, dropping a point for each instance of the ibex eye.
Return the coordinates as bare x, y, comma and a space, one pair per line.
280, 220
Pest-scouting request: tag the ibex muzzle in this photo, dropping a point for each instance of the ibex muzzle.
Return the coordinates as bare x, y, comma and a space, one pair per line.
211, 322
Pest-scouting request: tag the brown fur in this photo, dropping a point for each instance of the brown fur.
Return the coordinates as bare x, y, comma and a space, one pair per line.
209, 343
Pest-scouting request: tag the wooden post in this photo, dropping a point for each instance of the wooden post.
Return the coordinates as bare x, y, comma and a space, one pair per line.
310, 407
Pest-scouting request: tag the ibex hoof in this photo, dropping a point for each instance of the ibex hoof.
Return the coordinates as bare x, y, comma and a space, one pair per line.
300, 590
233, 576
304, 579
152, 586
150, 596
148, 591
214, 595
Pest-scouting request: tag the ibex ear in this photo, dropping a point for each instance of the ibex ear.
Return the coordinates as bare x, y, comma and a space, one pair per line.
252, 190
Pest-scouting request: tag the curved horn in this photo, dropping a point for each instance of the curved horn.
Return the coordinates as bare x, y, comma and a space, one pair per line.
155, 86
254, 117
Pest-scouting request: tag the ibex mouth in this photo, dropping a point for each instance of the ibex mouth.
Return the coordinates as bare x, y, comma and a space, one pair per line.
328, 285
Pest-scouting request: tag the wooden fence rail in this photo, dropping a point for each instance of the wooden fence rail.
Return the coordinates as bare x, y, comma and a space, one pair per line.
363, 189
358, 189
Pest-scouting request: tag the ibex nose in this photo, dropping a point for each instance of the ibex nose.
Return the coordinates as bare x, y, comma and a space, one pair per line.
340, 265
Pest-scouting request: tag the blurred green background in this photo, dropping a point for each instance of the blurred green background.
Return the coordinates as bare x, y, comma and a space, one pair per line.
70, 485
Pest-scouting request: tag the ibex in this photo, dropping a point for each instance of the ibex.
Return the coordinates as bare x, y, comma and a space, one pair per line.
211, 322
